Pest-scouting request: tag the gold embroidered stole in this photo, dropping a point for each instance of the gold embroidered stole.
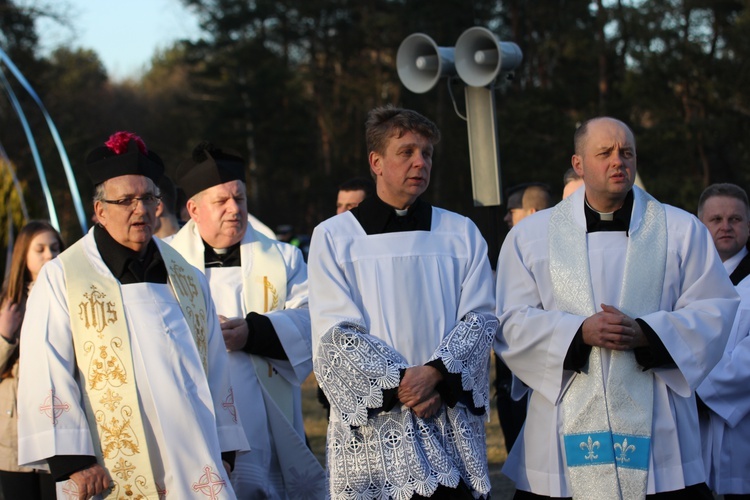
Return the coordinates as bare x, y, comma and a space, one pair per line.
607, 433
104, 359
264, 285
189, 295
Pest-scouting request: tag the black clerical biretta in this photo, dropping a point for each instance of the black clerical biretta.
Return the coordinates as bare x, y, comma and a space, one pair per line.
209, 167
123, 154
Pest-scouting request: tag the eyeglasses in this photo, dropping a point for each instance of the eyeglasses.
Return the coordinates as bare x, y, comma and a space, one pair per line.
149, 200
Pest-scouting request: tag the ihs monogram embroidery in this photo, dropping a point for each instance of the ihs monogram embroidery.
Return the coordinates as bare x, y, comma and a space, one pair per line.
95, 312
183, 282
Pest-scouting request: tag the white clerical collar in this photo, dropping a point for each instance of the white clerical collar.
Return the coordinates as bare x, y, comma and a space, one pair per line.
608, 216
401, 213
220, 251
732, 262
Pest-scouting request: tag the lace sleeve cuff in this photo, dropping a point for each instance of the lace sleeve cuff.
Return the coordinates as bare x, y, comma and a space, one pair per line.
354, 368
465, 351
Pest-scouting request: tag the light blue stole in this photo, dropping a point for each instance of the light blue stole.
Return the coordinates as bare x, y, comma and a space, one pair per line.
607, 434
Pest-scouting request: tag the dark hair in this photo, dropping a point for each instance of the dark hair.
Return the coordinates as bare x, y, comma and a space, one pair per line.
359, 184
18, 277
16, 284
388, 121
723, 189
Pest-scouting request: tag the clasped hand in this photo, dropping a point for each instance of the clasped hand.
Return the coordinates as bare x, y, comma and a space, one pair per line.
417, 390
612, 329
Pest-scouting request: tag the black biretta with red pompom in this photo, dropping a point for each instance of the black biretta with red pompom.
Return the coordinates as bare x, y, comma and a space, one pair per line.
209, 167
123, 154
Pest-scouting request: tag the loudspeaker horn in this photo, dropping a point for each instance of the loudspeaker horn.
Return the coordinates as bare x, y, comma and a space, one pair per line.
480, 56
420, 63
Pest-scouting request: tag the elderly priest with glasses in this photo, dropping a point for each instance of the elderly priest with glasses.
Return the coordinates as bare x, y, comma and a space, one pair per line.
126, 389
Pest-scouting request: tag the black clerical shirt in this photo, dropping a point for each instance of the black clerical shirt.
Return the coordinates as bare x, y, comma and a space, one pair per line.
126, 265
620, 218
377, 217
230, 258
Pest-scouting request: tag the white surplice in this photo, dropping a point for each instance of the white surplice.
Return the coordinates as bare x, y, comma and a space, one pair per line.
258, 474
388, 301
189, 417
696, 307
726, 391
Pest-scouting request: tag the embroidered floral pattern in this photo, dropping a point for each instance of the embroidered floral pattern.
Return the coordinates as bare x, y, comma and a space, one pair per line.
106, 368
116, 435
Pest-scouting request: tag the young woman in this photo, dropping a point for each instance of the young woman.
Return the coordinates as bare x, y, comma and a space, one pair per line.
38, 242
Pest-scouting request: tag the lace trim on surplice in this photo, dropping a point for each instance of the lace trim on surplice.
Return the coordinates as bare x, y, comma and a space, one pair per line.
353, 368
466, 350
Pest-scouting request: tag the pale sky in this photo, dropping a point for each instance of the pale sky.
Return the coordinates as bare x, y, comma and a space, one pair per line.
124, 33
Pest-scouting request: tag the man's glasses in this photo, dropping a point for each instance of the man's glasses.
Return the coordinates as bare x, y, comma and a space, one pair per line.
149, 200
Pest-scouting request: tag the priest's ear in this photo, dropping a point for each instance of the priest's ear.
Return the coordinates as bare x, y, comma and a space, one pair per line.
192, 209
376, 163
99, 212
576, 162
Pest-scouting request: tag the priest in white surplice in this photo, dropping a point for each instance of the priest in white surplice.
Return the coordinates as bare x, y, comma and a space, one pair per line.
401, 303
260, 289
724, 396
613, 308
124, 385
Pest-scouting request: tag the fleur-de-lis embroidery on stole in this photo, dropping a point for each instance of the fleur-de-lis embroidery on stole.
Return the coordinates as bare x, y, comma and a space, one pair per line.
618, 419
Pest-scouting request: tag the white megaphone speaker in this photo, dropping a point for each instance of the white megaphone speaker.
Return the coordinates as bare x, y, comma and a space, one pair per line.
420, 63
480, 57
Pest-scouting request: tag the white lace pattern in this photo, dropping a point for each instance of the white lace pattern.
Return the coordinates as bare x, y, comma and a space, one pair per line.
397, 454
